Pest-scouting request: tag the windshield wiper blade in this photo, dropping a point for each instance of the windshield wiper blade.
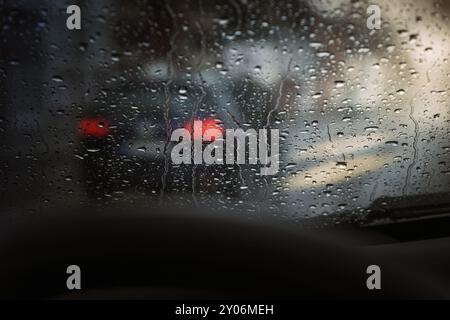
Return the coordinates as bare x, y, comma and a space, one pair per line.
410, 207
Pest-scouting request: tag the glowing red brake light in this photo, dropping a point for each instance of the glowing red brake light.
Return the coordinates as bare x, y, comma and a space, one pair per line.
93, 127
207, 124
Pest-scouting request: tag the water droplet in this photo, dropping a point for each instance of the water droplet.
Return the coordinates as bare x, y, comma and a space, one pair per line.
57, 78
392, 143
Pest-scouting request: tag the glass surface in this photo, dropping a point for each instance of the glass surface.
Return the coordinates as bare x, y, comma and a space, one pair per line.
86, 115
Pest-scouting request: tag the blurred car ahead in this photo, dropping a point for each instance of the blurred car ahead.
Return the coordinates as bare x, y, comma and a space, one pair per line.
125, 140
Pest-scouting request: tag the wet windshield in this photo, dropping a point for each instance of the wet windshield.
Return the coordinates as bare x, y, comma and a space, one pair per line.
289, 108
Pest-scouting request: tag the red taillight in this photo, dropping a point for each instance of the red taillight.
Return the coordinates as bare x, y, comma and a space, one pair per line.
93, 127
212, 124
